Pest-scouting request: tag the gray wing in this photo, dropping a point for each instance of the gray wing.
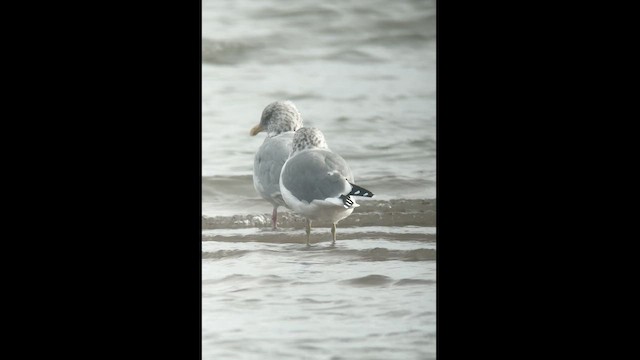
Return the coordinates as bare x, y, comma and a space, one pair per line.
317, 174
267, 165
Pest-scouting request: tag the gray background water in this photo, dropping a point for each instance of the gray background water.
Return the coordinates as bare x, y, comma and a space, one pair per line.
364, 73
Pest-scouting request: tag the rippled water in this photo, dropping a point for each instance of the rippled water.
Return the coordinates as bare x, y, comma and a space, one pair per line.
365, 298
364, 73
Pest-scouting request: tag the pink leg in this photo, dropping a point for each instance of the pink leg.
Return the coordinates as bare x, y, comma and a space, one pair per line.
274, 219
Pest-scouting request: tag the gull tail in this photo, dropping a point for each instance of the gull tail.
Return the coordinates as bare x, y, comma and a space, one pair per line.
360, 191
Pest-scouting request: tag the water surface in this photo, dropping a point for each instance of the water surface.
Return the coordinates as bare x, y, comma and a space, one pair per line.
364, 73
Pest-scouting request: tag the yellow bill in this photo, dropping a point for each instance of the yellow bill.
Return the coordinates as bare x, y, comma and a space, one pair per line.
256, 129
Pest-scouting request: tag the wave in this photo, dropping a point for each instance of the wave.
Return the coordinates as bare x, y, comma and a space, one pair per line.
226, 52
238, 51
304, 14
416, 212
368, 280
353, 56
367, 255
224, 254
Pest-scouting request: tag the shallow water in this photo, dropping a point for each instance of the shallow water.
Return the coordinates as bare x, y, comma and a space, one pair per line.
266, 295
364, 73
364, 298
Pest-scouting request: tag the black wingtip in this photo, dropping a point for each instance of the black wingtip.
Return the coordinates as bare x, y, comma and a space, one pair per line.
360, 191
346, 200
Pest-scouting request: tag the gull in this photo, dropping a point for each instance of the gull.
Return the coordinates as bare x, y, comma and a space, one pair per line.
280, 120
317, 183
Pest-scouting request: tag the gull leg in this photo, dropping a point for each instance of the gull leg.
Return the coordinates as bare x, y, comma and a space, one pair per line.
274, 219
308, 230
333, 232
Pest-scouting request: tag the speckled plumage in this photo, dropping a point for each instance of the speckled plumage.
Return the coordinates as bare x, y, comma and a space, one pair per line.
279, 119
308, 138
316, 182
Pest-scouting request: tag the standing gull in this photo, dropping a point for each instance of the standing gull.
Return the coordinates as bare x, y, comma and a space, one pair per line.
280, 120
317, 183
